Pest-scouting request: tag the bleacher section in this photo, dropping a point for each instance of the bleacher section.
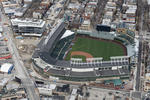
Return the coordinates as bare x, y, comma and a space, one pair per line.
124, 34
126, 38
121, 40
61, 47
103, 35
131, 33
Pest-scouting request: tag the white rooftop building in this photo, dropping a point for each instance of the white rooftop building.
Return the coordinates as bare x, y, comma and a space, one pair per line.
131, 11
6, 68
28, 22
47, 89
73, 94
148, 1
28, 26
106, 22
132, 6
9, 11
1, 29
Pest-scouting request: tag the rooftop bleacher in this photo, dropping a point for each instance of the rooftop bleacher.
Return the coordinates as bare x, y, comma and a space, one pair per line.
130, 40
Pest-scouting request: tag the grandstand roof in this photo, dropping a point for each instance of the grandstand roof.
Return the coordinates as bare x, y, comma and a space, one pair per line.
59, 31
91, 73
67, 33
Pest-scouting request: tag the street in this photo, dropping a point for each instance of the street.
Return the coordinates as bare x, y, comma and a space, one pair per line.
21, 70
139, 65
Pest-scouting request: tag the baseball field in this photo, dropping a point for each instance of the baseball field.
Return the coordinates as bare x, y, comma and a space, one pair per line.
85, 47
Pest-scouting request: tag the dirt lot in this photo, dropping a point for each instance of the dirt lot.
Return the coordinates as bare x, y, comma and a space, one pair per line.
26, 48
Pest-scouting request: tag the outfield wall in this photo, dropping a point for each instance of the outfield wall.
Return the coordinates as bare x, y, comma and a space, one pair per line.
127, 38
103, 35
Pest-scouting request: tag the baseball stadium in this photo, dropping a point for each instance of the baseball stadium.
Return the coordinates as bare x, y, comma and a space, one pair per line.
84, 55
89, 47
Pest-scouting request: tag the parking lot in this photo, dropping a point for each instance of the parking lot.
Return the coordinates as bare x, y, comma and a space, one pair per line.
102, 94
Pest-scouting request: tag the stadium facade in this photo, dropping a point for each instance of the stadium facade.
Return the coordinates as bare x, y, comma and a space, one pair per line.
46, 61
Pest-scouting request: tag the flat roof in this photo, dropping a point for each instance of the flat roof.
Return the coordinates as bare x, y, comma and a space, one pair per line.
6, 67
32, 34
106, 21
131, 11
132, 6
52, 86
28, 22
9, 10
147, 74
148, 1
1, 28
86, 22
27, 0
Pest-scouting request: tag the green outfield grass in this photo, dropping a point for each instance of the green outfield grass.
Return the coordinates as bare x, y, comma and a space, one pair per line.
97, 48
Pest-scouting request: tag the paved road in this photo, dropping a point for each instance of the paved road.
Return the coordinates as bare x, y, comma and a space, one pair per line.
19, 65
138, 74
139, 65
